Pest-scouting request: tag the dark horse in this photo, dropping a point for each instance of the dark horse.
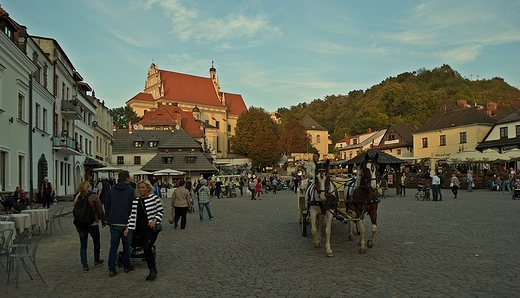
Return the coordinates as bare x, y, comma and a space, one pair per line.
322, 199
361, 195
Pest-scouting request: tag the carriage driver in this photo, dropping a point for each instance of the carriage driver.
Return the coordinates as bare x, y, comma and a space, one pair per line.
311, 167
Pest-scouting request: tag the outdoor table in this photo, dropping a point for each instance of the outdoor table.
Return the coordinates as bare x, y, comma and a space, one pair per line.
38, 217
5, 226
21, 221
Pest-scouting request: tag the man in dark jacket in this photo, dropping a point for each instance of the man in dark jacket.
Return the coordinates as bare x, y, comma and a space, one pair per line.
103, 189
118, 206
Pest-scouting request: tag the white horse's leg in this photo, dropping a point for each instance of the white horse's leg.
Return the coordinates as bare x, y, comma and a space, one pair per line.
314, 226
361, 228
328, 231
370, 242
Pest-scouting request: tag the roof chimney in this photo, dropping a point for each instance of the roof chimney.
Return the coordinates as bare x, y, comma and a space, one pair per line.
461, 103
130, 128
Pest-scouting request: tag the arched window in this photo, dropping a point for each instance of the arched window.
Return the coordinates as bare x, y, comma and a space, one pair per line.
317, 138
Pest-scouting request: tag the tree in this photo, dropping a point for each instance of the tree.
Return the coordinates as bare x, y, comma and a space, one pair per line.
249, 124
292, 138
263, 150
123, 116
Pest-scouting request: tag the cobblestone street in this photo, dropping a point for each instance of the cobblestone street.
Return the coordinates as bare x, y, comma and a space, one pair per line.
465, 247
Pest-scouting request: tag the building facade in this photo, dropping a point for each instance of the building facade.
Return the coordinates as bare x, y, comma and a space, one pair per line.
200, 96
45, 102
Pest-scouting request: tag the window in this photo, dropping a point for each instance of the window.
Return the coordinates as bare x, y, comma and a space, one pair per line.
503, 132
191, 159
167, 160
137, 160
153, 143
463, 138
442, 141
391, 137
229, 128
21, 106
354, 141
62, 91
120, 160
138, 144
398, 151
217, 124
425, 142
37, 116
517, 130
44, 116
318, 139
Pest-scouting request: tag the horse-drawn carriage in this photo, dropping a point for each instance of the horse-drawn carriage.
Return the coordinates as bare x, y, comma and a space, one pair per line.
321, 200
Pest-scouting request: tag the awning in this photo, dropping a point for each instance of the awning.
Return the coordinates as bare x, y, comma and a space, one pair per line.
90, 162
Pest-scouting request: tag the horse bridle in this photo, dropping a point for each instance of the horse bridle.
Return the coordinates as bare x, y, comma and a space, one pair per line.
364, 177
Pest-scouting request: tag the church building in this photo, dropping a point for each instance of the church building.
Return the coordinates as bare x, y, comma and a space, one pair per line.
173, 100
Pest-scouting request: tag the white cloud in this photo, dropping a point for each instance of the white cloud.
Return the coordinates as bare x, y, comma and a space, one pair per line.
462, 54
191, 24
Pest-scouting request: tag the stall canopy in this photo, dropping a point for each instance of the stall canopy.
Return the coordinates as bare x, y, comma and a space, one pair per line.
168, 172
384, 158
108, 169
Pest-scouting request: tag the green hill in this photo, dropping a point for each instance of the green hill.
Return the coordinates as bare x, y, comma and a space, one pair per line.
410, 97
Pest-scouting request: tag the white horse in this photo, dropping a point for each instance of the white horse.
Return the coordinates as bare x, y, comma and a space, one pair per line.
322, 197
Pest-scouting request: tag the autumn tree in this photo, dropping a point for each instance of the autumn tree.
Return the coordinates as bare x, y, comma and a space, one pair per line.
263, 150
292, 138
249, 125
123, 116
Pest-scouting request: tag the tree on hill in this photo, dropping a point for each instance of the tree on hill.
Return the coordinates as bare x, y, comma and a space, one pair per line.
123, 116
410, 97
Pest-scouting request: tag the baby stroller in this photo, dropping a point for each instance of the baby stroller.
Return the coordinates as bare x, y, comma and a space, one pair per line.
516, 191
136, 252
423, 193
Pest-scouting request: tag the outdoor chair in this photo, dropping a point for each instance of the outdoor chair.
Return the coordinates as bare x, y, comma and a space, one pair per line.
5, 240
55, 217
20, 252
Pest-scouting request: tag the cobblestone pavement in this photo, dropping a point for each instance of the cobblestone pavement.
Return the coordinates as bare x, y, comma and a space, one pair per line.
465, 247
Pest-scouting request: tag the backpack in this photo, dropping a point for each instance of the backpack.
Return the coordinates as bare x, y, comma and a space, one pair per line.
83, 213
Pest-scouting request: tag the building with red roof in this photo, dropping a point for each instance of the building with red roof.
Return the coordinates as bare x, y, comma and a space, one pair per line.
195, 104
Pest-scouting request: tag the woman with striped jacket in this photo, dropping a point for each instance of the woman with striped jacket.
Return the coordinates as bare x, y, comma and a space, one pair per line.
147, 211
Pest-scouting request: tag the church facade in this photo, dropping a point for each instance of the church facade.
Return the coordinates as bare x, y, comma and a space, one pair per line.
172, 100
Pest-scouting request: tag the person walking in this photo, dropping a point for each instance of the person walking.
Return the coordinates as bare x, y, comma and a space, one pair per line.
118, 206
204, 200
47, 192
274, 183
455, 184
103, 189
469, 178
252, 188
156, 189
181, 201
402, 183
85, 193
436, 184
147, 212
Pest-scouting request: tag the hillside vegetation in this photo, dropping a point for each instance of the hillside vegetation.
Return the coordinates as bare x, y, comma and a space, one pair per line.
410, 97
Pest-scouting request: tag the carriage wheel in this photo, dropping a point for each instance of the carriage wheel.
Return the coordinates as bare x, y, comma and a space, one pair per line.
304, 224
417, 197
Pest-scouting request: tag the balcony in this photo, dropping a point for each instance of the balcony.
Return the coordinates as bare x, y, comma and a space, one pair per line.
70, 109
65, 146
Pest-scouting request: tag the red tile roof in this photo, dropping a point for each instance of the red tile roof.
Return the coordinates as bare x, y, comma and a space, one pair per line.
179, 87
167, 115
142, 96
235, 103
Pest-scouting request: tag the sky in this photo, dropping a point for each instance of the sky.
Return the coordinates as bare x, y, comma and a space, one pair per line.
276, 53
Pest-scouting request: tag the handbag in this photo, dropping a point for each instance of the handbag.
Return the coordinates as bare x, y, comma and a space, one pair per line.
451, 184
472, 184
171, 217
157, 228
